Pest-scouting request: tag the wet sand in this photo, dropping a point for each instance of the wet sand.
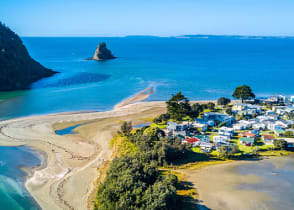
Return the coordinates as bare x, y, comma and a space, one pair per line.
222, 186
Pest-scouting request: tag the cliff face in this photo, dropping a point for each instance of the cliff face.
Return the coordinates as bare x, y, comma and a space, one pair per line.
102, 53
17, 69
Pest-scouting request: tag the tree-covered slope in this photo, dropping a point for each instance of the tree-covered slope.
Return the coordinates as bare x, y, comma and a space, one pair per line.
17, 69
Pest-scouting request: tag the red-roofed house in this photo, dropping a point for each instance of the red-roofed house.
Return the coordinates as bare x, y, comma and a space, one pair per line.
194, 141
247, 135
268, 139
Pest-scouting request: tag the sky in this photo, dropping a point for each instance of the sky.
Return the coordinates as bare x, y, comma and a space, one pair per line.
148, 17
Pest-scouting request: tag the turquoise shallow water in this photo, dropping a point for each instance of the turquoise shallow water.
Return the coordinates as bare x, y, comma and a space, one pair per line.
201, 67
13, 195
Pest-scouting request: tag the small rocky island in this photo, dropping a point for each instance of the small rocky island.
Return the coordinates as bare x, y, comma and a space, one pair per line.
102, 53
18, 69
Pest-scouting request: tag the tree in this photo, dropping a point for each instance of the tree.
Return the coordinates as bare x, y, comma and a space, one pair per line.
125, 128
210, 106
281, 144
178, 106
243, 92
229, 111
196, 110
228, 151
223, 101
288, 133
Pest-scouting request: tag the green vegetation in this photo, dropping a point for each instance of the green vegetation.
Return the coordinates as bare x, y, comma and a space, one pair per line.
243, 92
178, 107
223, 101
131, 184
18, 69
281, 144
133, 180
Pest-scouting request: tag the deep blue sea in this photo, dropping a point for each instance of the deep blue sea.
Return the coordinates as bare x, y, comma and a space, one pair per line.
202, 67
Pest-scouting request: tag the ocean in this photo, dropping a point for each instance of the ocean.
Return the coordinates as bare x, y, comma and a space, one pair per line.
202, 67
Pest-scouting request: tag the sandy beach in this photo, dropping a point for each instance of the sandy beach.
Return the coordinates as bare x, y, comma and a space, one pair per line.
65, 180
71, 162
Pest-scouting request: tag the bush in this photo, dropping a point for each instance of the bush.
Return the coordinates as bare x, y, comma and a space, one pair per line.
281, 144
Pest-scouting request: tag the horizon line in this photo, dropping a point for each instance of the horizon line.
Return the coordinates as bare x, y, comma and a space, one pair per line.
171, 36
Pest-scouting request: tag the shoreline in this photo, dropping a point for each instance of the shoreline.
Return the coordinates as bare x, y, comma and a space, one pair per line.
219, 186
64, 159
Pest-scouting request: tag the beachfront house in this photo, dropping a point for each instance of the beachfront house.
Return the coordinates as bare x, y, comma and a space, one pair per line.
246, 109
247, 141
280, 99
268, 139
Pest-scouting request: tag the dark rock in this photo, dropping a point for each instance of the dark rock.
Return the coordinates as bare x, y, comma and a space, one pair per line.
17, 69
102, 53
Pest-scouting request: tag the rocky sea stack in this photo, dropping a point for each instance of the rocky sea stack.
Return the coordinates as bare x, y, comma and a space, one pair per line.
17, 69
102, 53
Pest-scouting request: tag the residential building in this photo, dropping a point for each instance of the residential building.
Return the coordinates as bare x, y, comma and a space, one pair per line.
247, 141
268, 139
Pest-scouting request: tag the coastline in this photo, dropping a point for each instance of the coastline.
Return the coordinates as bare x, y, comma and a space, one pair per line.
67, 158
219, 186
56, 183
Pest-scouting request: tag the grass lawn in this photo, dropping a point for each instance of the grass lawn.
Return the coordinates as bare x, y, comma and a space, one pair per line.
160, 126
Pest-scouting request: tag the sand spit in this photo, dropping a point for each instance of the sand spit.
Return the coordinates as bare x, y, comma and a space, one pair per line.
67, 176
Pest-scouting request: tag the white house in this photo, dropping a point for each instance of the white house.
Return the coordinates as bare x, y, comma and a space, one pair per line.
220, 139
259, 126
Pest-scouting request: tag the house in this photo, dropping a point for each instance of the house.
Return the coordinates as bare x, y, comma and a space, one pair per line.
205, 146
259, 126
279, 132
214, 116
268, 139
173, 126
203, 138
218, 145
220, 139
270, 112
274, 126
247, 135
242, 125
292, 99
193, 141
256, 132
205, 122
245, 107
247, 141
225, 131
203, 127
276, 99
239, 126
